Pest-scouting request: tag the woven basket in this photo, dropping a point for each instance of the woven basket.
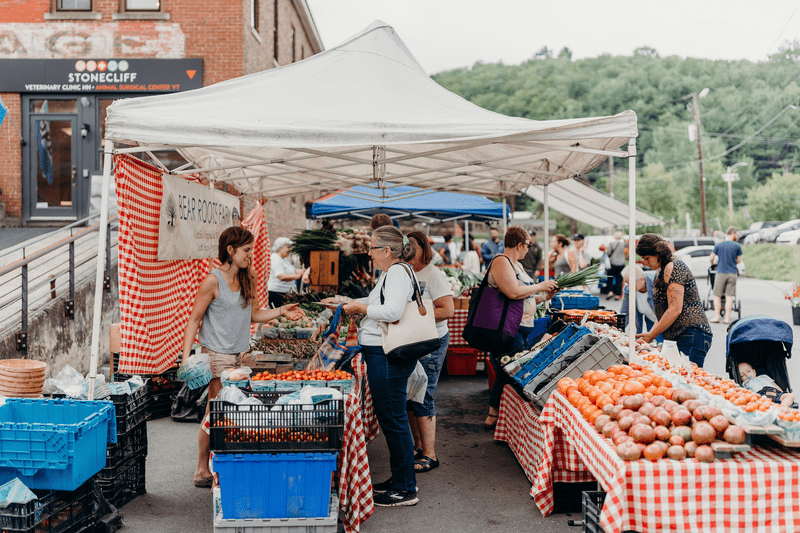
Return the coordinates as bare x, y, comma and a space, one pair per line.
21, 377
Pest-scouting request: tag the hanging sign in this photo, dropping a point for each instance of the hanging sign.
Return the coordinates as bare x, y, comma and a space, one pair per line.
191, 219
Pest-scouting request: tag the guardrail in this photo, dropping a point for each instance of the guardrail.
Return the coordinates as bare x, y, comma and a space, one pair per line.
40, 275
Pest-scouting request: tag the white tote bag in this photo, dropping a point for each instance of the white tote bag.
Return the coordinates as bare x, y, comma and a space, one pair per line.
414, 335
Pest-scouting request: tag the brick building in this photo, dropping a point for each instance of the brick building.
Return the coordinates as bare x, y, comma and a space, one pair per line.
63, 62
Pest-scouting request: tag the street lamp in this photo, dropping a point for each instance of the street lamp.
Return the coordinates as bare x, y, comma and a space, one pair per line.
730, 178
696, 111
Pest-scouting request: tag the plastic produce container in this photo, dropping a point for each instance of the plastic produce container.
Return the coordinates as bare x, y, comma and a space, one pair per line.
461, 361
54, 511
599, 357
590, 513
54, 444
566, 338
326, 524
287, 485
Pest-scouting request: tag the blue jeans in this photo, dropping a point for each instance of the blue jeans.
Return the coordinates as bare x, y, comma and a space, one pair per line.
695, 343
432, 363
501, 379
387, 383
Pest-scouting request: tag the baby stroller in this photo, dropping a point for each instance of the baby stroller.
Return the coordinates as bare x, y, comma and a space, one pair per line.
708, 303
763, 342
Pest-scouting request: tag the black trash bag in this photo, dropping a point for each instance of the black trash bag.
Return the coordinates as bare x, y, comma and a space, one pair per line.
189, 405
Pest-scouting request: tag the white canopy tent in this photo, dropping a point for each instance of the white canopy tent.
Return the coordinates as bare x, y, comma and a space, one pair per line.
589, 205
363, 112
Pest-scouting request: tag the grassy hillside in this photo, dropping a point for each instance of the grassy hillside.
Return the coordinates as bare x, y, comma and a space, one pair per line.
772, 261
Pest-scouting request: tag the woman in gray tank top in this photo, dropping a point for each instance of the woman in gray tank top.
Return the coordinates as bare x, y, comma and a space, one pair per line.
565, 259
226, 304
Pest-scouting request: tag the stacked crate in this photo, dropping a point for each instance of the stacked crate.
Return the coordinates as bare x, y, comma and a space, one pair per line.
55, 511
275, 464
162, 391
123, 477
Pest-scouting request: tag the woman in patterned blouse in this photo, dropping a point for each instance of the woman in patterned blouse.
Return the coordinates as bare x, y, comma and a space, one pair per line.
678, 307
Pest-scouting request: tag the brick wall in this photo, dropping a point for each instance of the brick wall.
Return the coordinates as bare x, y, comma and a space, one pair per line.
11, 163
259, 46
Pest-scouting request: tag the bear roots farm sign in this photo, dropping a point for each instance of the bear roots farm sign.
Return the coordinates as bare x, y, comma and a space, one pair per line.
192, 218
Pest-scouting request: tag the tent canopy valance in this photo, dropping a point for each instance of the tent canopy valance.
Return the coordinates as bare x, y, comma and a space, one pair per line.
364, 112
363, 202
591, 206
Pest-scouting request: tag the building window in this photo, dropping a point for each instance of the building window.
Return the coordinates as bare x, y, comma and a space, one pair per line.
293, 45
275, 29
254, 14
74, 5
142, 5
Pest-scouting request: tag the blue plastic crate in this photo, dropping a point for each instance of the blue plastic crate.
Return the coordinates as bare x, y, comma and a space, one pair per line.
574, 300
566, 338
54, 444
287, 485
540, 326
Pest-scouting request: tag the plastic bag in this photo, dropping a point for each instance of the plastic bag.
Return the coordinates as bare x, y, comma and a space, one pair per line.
236, 374
15, 491
235, 395
417, 384
196, 371
68, 381
189, 405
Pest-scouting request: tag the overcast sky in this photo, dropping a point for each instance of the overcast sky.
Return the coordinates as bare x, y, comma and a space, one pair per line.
448, 34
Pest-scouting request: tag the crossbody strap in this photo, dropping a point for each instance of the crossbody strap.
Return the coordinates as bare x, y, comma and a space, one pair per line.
417, 292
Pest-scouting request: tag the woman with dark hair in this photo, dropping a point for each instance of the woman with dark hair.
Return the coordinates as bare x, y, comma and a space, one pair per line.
564, 260
422, 416
507, 275
226, 304
388, 380
678, 307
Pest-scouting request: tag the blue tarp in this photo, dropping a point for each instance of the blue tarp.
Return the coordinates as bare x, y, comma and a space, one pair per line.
363, 202
760, 328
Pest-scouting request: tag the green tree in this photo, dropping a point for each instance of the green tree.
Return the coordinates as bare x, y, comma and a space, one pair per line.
777, 199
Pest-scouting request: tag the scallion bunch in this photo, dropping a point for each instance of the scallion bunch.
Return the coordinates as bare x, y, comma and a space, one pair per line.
587, 276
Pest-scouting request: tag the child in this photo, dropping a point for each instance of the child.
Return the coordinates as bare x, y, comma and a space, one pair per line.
765, 385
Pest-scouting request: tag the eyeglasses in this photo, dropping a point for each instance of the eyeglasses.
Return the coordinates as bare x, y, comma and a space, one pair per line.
526, 244
377, 247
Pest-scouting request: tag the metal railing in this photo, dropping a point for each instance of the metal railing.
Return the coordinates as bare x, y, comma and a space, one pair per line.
34, 276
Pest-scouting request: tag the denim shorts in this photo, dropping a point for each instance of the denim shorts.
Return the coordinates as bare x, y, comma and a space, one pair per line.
432, 363
695, 343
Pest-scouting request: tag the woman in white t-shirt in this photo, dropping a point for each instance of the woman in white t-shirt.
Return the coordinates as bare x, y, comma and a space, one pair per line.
282, 274
422, 416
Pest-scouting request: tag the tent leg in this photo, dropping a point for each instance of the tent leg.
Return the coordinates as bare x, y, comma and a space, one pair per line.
466, 245
101, 261
505, 218
546, 243
632, 244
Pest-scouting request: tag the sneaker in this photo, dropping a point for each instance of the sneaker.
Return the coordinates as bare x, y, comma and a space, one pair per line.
395, 498
380, 488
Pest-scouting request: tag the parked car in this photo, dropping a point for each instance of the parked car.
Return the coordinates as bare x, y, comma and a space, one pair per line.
696, 258
789, 237
682, 242
754, 228
770, 234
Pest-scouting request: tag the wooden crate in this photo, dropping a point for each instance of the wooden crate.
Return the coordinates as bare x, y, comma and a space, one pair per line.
461, 303
324, 268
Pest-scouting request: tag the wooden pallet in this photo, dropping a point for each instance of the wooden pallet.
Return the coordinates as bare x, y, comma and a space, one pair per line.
783, 441
723, 450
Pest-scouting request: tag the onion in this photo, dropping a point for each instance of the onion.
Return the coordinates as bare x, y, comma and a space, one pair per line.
621, 437
703, 433
690, 448
704, 454
608, 408
734, 435
653, 452
616, 412
720, 423
625, 423
609, 428
676, 452
628, 451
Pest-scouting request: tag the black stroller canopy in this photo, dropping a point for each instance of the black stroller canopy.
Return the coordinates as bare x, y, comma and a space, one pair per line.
763, 342
760, 328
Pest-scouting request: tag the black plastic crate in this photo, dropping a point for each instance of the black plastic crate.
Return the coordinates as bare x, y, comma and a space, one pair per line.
168, 381
132, 443
54, 512
131, 408
290, 428
592, 506
123, 483
567, 497
162, 390
161, 404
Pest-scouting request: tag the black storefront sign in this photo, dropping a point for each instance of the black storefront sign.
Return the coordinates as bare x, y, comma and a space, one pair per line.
107, 75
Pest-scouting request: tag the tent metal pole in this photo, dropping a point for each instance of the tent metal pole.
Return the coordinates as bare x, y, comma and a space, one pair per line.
101, 261
632, 245
466, 244
505, 218
546, 243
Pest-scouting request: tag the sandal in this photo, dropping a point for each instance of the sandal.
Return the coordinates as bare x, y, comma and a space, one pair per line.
418, 453
205, 482
426, 463
490, 426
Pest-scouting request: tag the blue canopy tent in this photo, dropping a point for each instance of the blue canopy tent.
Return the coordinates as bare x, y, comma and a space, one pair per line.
406, 202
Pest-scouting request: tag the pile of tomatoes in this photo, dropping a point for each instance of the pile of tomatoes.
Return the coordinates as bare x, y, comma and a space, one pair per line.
235, 434
316, 375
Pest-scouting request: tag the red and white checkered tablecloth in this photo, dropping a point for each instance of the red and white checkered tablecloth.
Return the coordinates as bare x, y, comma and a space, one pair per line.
518, 425
455, 326
753, 491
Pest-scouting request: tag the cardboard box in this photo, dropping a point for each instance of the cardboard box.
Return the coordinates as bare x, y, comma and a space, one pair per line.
461, 302
114, 338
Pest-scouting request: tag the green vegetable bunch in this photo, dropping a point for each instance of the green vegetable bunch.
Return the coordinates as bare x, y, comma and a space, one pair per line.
587, 276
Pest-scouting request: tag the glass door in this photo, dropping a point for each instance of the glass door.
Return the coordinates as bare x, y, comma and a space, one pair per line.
53, 164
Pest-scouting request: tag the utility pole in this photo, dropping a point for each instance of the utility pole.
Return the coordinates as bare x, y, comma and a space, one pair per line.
696, 111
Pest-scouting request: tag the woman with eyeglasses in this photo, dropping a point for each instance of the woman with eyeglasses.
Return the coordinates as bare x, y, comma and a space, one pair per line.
507, 275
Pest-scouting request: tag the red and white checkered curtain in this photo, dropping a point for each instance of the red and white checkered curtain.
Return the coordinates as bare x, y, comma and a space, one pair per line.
256, 222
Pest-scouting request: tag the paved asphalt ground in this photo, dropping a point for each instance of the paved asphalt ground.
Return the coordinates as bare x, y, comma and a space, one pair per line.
479, 486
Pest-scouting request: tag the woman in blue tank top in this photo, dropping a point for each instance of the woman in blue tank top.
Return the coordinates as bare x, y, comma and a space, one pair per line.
226, 304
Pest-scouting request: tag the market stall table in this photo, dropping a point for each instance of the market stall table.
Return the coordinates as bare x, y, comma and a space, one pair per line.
758, 490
